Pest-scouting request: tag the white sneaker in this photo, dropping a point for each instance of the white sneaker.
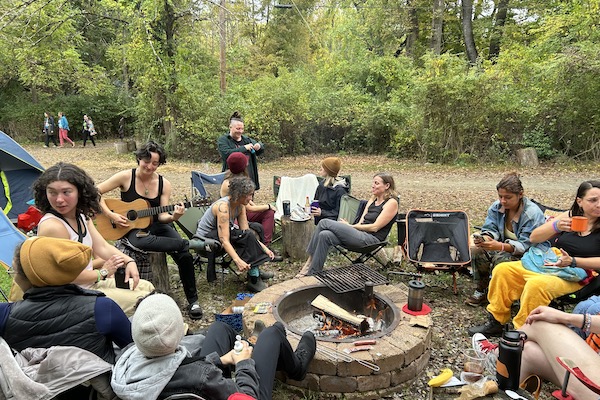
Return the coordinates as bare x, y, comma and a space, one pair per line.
480, 343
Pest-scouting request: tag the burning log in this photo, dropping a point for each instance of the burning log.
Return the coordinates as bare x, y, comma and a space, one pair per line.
323, 303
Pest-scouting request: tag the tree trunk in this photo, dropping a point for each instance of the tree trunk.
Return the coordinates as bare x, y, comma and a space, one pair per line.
498, 29
437, 24
467, 28
413, 32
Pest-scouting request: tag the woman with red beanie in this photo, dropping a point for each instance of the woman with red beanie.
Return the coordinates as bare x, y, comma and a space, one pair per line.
263, 214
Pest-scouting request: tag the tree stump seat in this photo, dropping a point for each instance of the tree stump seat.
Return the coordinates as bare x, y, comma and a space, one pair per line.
295, 237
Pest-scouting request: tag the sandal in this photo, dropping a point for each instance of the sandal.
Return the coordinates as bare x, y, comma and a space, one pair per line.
532, 384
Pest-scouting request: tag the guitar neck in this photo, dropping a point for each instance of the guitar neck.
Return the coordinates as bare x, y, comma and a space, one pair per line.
159, 210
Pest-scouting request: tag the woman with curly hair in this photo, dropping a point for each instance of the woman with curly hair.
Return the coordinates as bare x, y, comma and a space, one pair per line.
219, 221
69, 199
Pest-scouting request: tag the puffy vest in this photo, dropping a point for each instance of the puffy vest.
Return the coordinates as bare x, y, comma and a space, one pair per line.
57, 316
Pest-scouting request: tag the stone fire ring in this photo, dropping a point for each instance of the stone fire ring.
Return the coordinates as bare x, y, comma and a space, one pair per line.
401, 355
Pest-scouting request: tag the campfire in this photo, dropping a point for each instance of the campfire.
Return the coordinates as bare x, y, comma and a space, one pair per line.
336, 316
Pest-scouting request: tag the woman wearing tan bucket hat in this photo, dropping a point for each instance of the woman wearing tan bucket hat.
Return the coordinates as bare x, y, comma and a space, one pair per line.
330, 190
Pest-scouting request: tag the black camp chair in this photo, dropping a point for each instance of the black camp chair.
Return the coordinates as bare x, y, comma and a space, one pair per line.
351, 210
438, 240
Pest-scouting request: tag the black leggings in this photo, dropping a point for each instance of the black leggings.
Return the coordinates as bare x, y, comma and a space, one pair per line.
86, 136
271, 353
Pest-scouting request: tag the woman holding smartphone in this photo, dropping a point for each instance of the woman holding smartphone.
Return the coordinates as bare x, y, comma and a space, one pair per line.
505, 233
67, 196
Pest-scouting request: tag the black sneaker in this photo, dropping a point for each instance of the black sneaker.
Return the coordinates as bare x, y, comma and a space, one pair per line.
490, 328
305, 352
195, 311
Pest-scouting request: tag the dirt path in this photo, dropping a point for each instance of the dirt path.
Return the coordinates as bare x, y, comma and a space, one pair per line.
427, 186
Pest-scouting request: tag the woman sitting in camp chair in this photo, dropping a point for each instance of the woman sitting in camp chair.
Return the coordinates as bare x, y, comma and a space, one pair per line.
373, 226
219, 222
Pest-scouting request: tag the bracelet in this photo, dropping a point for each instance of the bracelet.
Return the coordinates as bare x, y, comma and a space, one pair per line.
583, 322
130, 261
99, 276
269, 205
555, 226
502, 244
573, 262
588, 324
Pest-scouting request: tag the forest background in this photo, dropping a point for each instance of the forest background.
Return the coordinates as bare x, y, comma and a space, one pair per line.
443, 81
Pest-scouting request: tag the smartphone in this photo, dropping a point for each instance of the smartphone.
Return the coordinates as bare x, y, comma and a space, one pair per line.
478, 238
120, 279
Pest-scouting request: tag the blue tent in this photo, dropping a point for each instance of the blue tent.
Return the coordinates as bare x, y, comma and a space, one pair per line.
10, 237
18, 171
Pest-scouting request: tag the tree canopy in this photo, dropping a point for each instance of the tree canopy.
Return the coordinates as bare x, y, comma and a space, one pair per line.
443, 81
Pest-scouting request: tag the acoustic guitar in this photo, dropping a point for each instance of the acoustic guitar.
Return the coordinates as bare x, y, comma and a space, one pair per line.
138, 213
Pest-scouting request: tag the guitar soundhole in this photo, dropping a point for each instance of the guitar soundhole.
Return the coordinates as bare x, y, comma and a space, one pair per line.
132, 215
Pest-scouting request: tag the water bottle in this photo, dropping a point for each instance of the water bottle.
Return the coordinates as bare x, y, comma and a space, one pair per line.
508, 365
238, 346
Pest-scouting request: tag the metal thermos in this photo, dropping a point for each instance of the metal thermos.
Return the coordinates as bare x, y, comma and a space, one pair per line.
286, 207
415, 295
508, 365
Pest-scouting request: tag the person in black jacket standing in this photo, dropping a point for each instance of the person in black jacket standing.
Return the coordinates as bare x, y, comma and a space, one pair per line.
236, 141
49, 130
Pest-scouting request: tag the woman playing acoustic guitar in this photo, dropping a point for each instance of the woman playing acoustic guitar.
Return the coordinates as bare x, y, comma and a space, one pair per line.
144, 183
68, 198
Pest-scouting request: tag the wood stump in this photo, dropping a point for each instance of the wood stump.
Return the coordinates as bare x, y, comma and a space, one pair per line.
295, 237
121, 147
160, 271
131, 145
527, 157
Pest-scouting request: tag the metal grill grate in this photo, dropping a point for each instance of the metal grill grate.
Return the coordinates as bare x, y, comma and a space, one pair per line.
352, 277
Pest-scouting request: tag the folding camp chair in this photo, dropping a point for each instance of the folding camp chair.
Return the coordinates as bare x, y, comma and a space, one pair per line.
10, 237
188, 223
207, 185
438, 239
351, 210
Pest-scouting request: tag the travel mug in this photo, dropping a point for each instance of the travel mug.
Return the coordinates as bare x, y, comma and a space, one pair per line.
286, 208
415, 295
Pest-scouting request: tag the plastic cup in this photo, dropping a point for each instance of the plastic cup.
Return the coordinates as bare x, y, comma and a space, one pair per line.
473, 365
579, 224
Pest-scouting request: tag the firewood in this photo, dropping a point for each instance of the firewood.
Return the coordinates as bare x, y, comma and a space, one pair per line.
323, 303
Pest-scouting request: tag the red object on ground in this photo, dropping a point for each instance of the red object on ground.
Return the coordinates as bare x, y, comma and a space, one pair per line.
424, 310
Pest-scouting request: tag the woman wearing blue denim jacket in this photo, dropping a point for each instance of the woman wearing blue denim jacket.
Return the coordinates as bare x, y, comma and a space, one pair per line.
505, 233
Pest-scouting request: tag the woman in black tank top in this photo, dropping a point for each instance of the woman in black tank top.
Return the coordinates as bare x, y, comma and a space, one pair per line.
373, 226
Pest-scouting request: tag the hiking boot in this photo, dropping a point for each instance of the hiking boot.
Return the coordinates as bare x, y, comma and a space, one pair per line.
266, 275
304, 353
195, 311
256, 285
477, 299
490, 328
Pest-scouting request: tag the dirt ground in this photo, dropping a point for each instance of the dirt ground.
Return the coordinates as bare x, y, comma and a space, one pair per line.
424, 186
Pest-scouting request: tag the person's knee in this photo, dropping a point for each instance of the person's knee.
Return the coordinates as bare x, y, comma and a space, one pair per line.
329, 238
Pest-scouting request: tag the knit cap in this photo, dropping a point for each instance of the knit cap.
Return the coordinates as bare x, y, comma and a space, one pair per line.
157, 327
332, 165
237, 162
48, 261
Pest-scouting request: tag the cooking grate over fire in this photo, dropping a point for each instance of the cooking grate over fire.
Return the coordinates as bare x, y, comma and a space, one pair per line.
352, 277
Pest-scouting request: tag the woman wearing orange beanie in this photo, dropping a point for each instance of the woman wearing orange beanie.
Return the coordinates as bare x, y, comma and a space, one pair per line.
330, 190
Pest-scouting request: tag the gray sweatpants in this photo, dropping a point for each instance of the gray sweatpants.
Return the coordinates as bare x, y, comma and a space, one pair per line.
329, 233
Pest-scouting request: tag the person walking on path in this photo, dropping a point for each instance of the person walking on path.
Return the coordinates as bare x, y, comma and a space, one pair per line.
63, 129
236, 141
49, 129
88, 130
